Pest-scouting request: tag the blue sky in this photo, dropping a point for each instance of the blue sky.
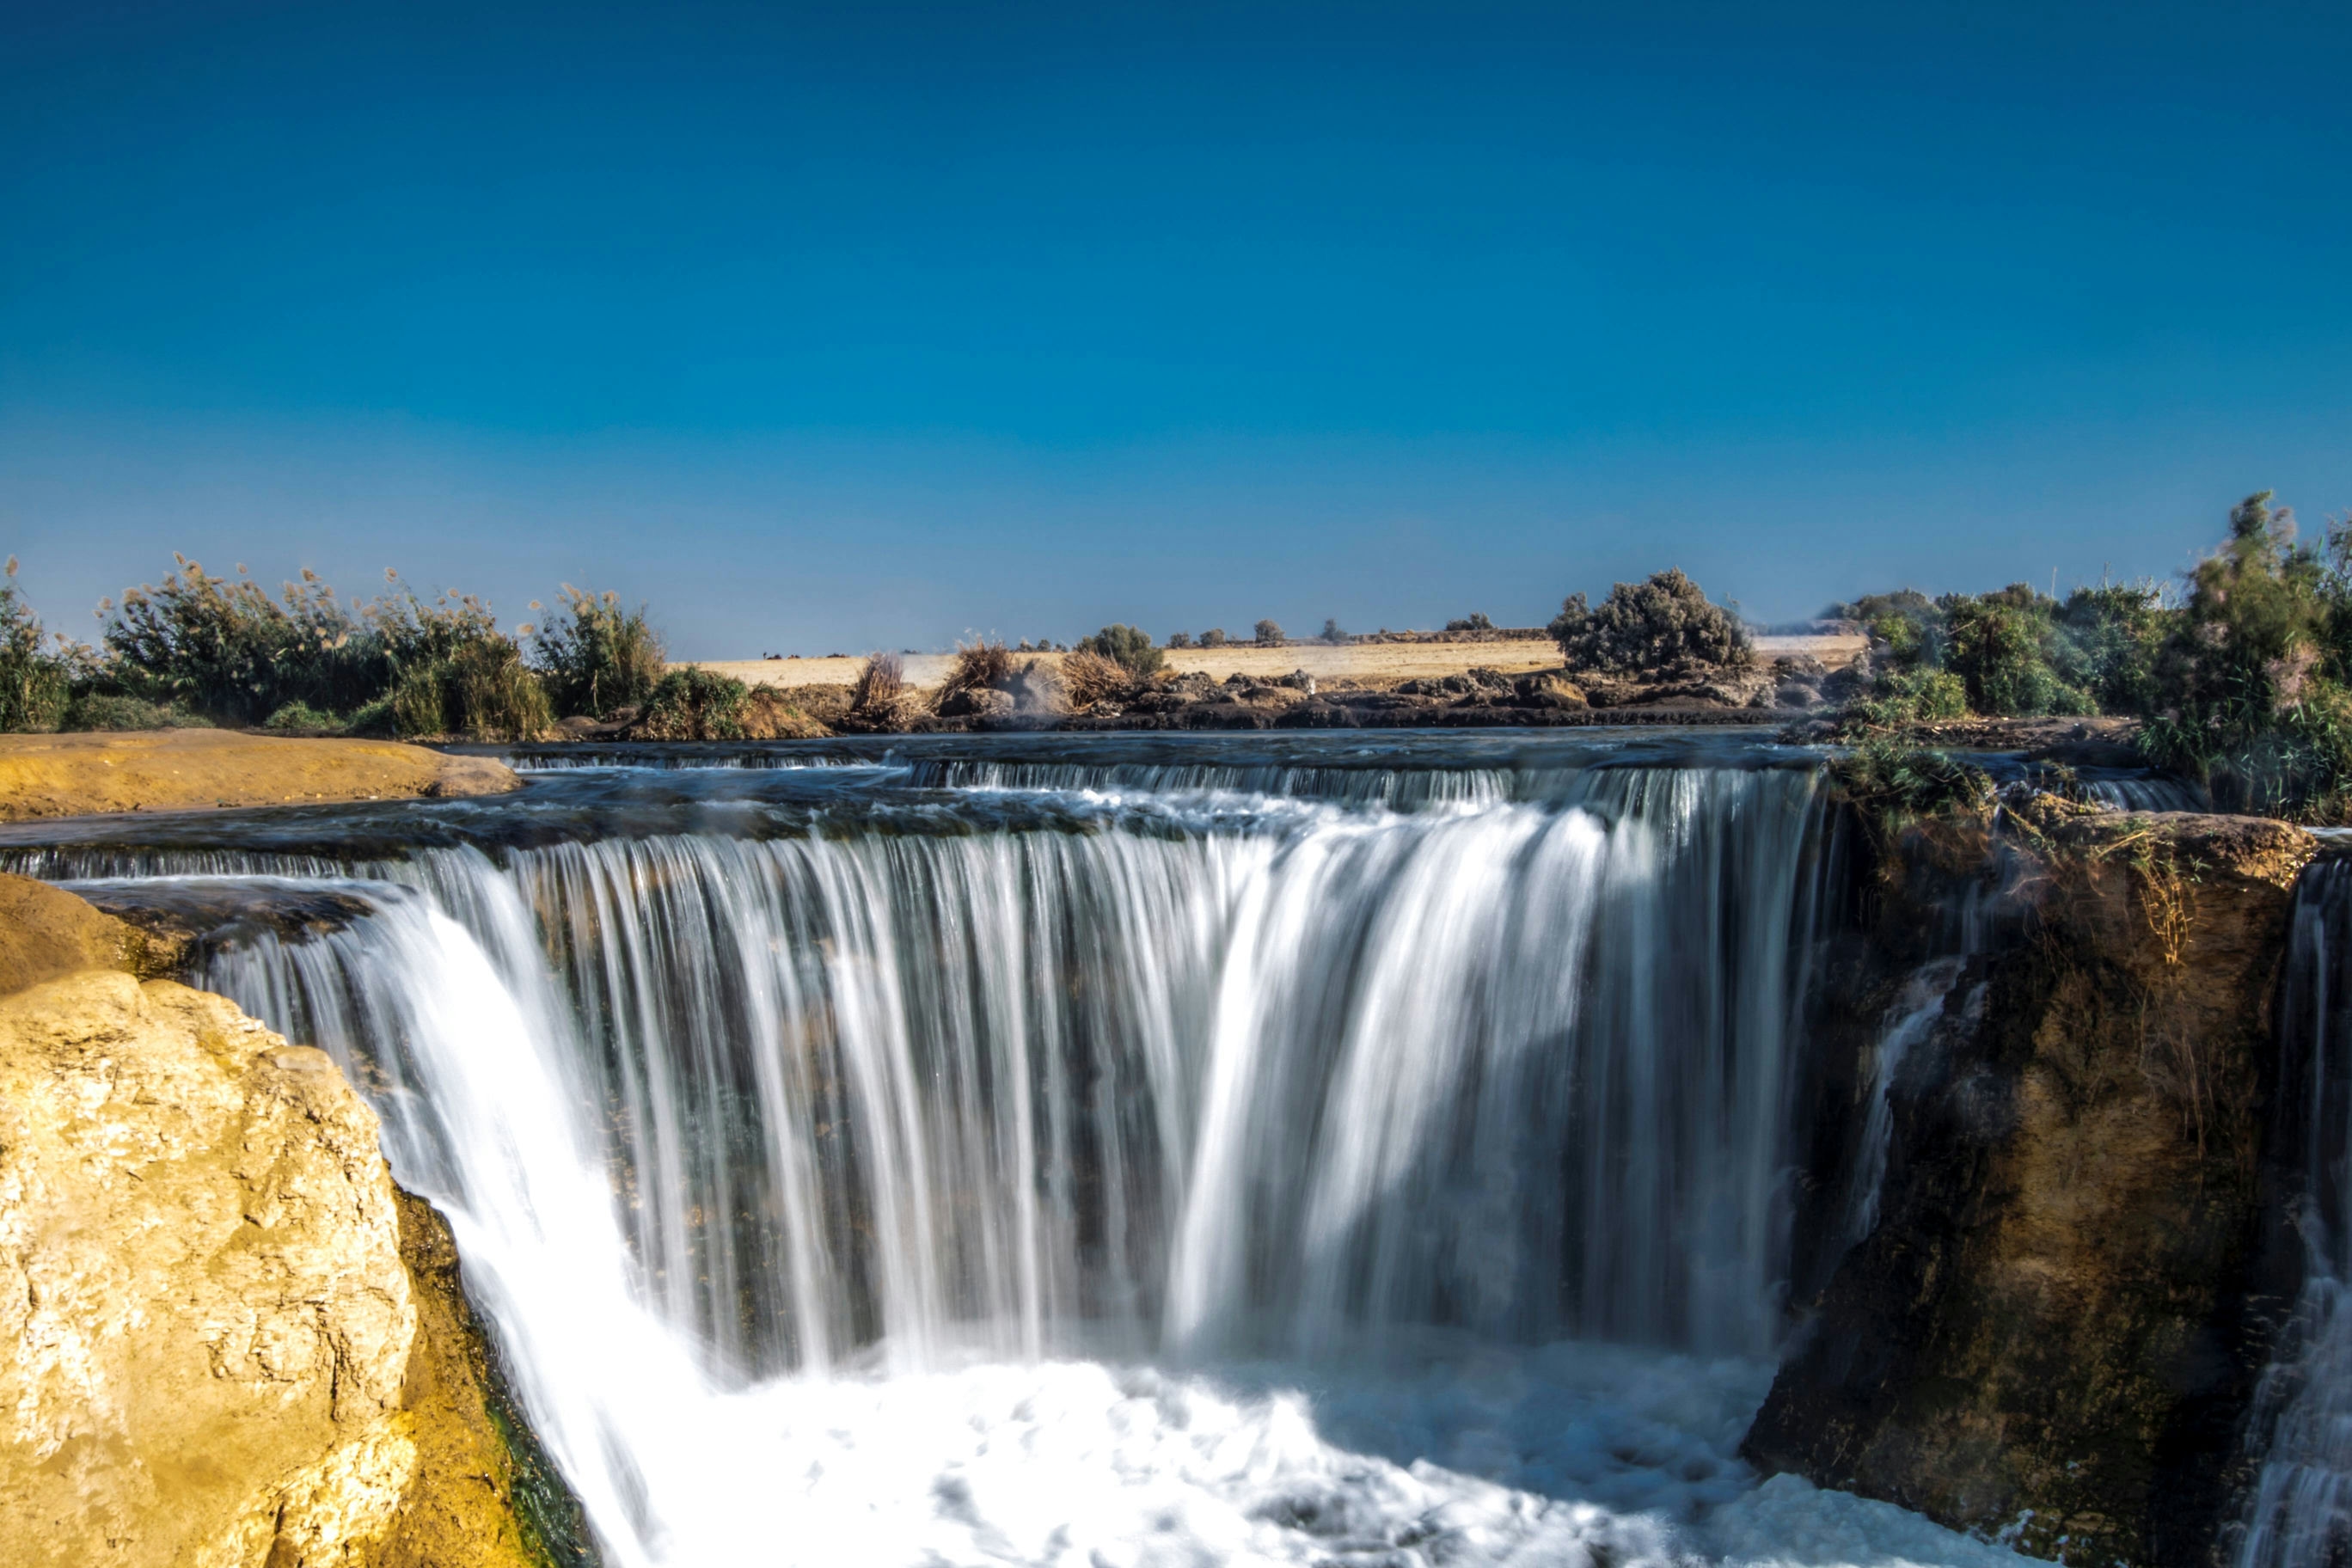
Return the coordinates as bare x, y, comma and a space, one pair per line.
871, 326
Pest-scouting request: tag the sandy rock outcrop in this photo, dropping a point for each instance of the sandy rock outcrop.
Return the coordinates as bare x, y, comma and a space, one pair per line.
2051, 1336
185, 770
205, 1320
46, 932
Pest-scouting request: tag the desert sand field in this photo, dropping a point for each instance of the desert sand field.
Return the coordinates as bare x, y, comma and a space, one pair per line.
1376, 663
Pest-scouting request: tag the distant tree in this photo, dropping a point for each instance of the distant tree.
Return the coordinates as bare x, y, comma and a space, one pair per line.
1331, 632
1476, 621
1653, 625
1180, 639
1269, 631
1128, 647
1214, 637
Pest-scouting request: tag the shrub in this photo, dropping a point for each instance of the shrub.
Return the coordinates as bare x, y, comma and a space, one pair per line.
693, 704
984, 664
1269, 632
414, 705
1659, 624
1180, 639
2003, 646
1129, 648
881, 699
1089, 677
111, 710
1476, 621
1893, 781
498, 696
1909, 696
1331, 632
2111, 639
301, 719
34, 682
1214, 637
223, 647
602, 658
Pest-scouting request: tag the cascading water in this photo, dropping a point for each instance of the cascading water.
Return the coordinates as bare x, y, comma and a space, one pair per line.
2301, 1509
1141, 1170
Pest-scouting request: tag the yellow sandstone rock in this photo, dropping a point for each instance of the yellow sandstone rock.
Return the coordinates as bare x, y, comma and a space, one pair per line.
205, 1318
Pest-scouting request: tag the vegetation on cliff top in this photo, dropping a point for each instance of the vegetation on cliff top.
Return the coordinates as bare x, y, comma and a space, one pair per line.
2241, 673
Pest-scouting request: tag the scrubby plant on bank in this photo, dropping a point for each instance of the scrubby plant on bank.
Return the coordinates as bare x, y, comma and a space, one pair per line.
1128, 647
1215, 637
1088, 677
1476, 621
1331, 632
596, 657
111, 710
694, 704
1663, 623
981, 665
225, 647
2013, 653
1269, 632
2254, 683
35, 682
1892, 783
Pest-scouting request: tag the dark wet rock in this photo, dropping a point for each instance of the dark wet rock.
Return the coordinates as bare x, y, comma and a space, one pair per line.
2053, 1333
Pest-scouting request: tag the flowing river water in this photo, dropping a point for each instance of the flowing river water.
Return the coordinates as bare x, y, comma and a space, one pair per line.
1125, 1152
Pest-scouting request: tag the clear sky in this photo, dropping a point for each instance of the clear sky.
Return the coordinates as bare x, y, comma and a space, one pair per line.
835, 328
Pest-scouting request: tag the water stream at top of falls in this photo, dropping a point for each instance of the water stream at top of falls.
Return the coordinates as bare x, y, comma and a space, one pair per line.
1285, 1154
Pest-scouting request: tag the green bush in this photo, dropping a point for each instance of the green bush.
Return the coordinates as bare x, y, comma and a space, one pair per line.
1893, 781
301, 719
225, 647
1269, 632
1214, 637
1664, 621
1909, 696
694, 704
111, 710
601, 658
35, 683
499, 695
415, 704
2005, 647
1128, 647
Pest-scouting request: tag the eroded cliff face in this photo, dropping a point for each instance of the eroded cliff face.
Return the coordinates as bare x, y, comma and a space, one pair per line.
2051, 1334
225, 1339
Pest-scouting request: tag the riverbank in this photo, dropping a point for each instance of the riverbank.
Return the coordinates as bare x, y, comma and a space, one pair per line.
183, 770
1371, 664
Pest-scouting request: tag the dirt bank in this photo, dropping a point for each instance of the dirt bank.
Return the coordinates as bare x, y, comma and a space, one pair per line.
1368, 663
181, 770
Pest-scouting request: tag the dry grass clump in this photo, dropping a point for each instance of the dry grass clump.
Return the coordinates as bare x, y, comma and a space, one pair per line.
1089, 678
984, 665
771, 715
882, 699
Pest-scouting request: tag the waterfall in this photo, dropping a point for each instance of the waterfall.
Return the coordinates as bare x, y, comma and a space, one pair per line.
2300, 1427
988, 1163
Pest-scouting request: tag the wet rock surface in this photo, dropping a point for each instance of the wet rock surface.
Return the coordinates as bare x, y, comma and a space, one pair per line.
2052, 1333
